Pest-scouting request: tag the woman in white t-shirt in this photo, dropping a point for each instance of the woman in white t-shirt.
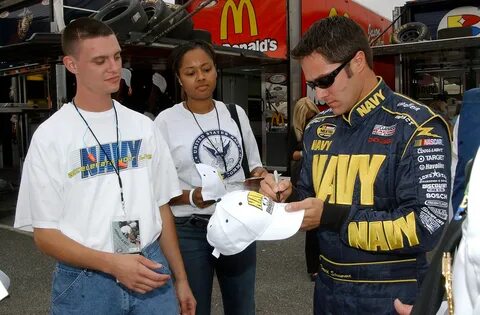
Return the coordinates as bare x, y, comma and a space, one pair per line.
201, 130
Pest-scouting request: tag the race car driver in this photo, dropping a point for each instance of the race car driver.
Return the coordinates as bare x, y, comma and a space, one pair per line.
375, 178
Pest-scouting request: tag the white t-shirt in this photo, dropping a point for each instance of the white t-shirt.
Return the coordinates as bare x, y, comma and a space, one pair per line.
466, 266
68, 184
189, 145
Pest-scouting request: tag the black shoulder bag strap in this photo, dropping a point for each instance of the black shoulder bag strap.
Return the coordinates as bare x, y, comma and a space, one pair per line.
232, 108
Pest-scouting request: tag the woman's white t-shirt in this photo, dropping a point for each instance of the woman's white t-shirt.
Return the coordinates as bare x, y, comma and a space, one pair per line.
205, 141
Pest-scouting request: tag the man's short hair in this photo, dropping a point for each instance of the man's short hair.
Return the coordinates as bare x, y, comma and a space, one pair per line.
336, 38
80, 29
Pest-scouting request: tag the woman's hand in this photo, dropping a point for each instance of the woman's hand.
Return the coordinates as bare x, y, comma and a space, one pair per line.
185, 298
198, 199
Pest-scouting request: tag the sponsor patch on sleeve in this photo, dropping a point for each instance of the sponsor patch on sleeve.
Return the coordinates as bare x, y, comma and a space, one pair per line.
326, 130
429, 220
384, 131
427, 142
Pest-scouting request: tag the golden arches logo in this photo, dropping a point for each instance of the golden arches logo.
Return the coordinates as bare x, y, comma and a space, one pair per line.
277, 119
237, 14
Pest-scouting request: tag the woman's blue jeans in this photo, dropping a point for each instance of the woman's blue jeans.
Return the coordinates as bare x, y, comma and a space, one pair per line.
235, 274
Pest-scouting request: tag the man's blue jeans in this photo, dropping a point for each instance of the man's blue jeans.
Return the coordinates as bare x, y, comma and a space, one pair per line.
235, 274
83, 291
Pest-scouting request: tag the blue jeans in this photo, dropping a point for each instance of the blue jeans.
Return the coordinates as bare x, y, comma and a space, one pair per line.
83, 291
235, 274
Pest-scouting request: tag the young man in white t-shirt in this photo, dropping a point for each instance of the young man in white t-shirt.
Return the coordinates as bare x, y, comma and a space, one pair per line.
93, 182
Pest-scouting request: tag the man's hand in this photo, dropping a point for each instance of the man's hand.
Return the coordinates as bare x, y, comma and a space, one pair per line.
313, 212
269, 188
185, 298
402, 309
137, 273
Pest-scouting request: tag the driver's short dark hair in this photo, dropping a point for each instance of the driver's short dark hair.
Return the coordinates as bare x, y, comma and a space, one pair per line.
336, 38
80, 29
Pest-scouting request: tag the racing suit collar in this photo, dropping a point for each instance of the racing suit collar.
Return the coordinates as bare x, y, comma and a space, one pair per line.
369, 104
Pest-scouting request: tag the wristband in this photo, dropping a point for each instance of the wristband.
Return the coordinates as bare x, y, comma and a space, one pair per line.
190, 198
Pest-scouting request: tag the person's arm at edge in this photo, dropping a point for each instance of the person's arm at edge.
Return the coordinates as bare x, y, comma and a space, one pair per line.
170, 247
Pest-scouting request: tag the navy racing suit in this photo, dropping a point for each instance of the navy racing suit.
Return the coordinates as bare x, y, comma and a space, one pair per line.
383, 172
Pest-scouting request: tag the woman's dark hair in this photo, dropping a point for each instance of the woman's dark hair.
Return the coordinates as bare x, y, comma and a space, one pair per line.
336, 38
177, 54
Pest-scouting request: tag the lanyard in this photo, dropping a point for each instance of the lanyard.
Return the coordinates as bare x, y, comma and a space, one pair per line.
222, 154
110, 158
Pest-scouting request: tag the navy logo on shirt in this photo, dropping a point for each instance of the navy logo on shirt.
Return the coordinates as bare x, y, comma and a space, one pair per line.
95, 160
217, 149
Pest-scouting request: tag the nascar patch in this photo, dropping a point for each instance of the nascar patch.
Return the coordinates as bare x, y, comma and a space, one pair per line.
427, 142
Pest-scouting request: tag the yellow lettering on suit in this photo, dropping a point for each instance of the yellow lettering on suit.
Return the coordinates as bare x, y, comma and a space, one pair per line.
372, 102
323, 145
383, 235
337, 179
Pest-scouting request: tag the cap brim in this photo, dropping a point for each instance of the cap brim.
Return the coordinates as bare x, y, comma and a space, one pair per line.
284, 224
213, 186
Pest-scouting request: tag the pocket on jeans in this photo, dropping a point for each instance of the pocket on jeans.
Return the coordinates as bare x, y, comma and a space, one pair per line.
66, 281
164, 270
158, 257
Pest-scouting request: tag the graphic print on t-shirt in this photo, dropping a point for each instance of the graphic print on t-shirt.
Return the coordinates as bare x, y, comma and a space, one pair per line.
95, 160
212, 148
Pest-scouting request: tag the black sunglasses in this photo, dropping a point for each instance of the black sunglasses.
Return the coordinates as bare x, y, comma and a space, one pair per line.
327, 80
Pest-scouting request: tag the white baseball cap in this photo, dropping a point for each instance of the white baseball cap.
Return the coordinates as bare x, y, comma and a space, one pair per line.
127, 76
213, 187
242, 217
159, 81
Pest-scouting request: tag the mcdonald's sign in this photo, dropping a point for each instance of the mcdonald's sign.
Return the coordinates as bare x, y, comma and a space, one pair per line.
237, 15
259, 25
277, 119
